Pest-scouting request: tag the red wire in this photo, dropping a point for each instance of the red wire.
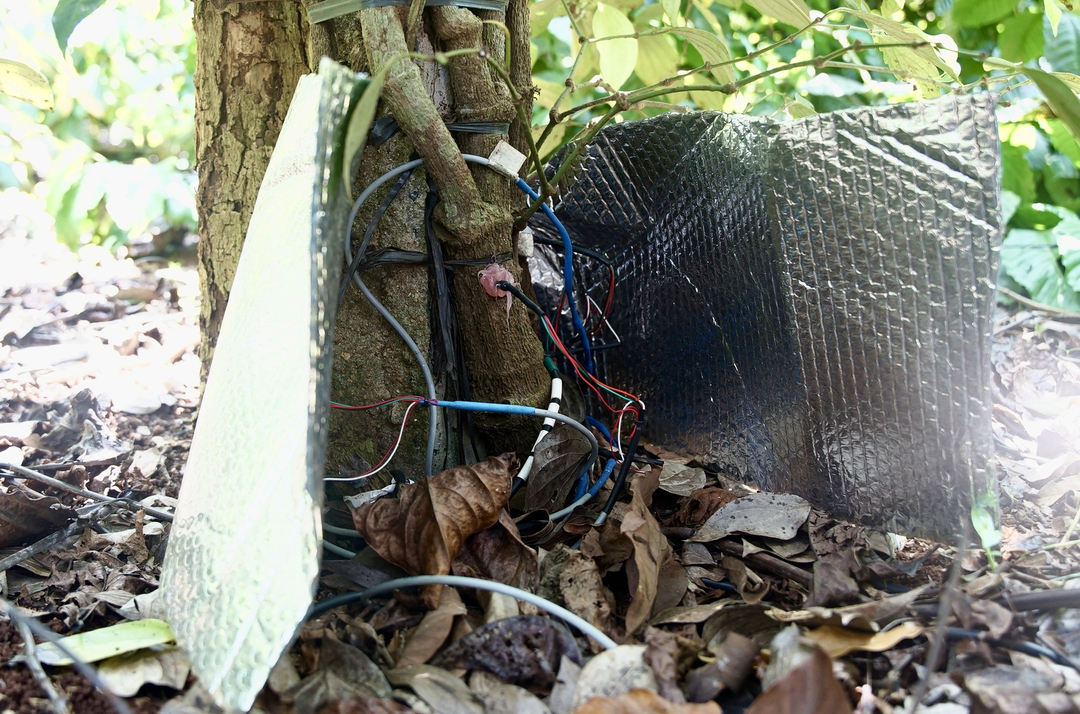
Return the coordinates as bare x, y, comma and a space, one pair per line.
589, 379
393, 446
607, 302
377, 404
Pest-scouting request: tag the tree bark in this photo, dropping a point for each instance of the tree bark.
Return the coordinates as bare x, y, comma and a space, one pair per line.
236, 125
248, 60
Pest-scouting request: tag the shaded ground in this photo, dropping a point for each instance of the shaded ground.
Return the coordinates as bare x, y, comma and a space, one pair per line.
98, 372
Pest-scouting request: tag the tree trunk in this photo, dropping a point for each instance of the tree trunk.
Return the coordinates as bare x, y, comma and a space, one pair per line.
250, 57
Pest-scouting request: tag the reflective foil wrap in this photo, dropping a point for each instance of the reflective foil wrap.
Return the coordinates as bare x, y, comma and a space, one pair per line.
806, 305
243, 554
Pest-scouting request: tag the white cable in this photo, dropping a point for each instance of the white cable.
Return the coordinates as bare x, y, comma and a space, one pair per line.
553, 406
389, 458
463, 582
337, 550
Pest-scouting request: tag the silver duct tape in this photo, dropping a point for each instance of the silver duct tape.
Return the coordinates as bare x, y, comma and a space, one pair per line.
243, 556
805, 305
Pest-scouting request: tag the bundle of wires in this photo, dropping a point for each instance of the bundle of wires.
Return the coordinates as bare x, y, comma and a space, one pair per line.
631, 404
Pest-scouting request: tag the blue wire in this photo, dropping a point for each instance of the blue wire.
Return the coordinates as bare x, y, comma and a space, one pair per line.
568, 272
608, 468
599, 426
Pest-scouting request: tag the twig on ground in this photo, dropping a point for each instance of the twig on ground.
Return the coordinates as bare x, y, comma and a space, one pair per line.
49, 541
57, 701
1037, 305
129, 504
939, 636
82, 667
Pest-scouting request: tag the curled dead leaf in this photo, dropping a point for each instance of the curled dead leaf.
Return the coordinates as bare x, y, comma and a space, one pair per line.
424, 528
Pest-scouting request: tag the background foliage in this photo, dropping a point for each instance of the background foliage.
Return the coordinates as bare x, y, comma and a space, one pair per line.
112, 159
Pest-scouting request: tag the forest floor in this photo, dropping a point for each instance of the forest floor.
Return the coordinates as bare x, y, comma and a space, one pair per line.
99, 383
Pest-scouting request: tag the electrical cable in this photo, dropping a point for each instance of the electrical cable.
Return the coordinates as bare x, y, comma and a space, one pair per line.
589, 495
621, 480
594, 447
544, 240
429, 381
568, 272
1032, 649
338, 550
369, 232
462, 582
338, 530
553, 406
386, 458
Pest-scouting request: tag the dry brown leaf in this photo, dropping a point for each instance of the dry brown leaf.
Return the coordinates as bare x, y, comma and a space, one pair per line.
651, 550
662, 654
700, 505
424, 528
433, 630
839, 641
809, 688
583, 592
498, 553
642, 701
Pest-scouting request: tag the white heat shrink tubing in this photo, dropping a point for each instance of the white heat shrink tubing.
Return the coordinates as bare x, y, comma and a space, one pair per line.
556, 400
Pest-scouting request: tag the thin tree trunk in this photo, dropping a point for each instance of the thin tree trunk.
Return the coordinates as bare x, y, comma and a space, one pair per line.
249, 59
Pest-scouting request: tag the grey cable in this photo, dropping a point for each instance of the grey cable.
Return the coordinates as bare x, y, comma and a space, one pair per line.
429, 381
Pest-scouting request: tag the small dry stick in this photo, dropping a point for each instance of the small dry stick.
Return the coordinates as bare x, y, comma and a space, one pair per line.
83, 668
57, 701
937, 638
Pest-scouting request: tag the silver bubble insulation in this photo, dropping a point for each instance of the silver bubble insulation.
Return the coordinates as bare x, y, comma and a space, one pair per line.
243, 556
806, 305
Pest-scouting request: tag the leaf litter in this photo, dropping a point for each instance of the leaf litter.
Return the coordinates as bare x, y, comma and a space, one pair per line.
720, 598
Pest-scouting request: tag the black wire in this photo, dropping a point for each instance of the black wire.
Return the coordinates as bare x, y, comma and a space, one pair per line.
337, 601
516, 292
1022, 646
354, 261
637, 459
626, 464
557, 243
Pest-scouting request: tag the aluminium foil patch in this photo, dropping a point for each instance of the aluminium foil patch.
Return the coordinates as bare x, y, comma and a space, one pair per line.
805, 305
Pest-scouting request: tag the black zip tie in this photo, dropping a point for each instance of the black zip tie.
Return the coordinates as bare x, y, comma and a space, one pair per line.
329, 9
385, 127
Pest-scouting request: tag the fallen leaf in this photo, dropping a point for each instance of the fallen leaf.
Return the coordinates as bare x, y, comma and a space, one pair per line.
763, 514
523, 650
662, 654
839, 641
557, 463
105, 642
747, 620
439, 689
643, 701
799, 680
501, 698
614, 672
752, 588
365, 705
423, 529
583, 591
166, 666
651, 549
868, 617
433, 630
1005, 689
26, 513
689, 615
498, 553
733, 664
561, 700
681, 480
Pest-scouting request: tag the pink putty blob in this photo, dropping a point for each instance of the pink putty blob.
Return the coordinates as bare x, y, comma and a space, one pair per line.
492, 274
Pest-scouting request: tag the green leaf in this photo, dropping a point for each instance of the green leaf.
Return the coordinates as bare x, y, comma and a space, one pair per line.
107, 642
657, 59
26, 84
1063, 49
983, 522
1060, 98
68, 14
1031, 258
1062, 141
1062, 181
799, 108
712, 49
980, 13
617, 57
1021, 37
671, 7
360, 120
1066, 235
920, 61
1071, 81
1053, 14
1009, 203
789, 12
1016, 174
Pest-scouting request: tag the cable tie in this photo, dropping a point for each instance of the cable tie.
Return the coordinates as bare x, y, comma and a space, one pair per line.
329, 9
